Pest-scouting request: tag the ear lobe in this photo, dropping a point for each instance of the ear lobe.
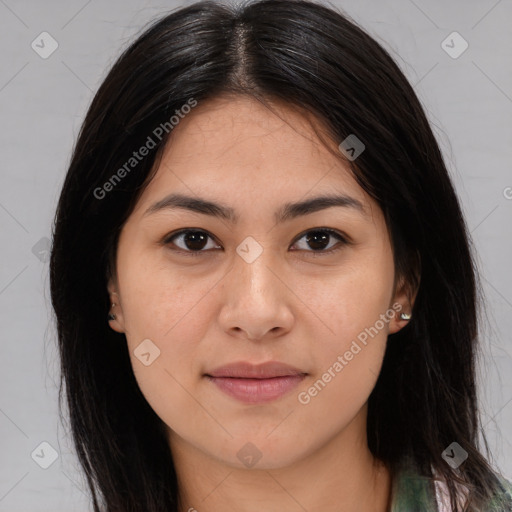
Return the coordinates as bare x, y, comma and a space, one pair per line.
115, 313
403, 302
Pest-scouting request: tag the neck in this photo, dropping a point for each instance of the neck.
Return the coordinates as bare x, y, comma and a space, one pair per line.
342, 474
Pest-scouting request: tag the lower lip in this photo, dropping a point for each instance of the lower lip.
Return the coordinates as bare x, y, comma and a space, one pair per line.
254, 391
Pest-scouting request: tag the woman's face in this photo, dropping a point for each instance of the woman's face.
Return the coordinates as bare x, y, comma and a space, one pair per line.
261, 280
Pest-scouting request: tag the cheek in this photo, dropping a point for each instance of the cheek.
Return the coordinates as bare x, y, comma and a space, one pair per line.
347, 366
162, 308
172, 312
158, 303
351, 339
351, 301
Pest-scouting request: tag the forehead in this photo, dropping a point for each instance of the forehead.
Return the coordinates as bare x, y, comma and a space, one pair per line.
235, 148
240, 127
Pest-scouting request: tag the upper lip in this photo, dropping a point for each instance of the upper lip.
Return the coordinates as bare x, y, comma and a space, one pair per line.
245, 370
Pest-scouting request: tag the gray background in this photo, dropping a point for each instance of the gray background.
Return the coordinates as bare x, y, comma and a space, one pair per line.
43, 102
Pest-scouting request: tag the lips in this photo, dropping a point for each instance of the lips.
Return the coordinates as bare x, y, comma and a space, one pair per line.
245, 370
254, 384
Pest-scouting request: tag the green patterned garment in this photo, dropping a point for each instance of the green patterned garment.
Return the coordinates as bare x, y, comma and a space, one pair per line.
415, 493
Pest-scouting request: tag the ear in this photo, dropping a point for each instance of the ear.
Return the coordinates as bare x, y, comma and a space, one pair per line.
402, 302
116, 308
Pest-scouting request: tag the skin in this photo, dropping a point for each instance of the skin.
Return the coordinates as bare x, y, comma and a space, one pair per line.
291, 304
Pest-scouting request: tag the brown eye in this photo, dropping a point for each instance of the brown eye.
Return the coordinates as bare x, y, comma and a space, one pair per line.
191, 241
321, 241
318, 241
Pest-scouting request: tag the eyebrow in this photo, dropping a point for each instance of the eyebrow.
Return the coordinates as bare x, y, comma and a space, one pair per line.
287, 212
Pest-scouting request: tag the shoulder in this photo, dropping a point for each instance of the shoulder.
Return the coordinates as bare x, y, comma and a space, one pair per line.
500, 501
412, 491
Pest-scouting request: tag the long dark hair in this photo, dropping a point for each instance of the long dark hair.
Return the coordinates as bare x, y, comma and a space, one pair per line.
315, 59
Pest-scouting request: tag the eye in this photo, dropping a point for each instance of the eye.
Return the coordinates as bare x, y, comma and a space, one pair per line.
318, 240
193, 242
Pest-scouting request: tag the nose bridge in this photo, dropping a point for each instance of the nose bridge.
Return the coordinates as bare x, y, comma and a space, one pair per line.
255, 299
253, 267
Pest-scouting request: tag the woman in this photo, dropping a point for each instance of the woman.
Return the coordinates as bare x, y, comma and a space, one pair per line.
257, 202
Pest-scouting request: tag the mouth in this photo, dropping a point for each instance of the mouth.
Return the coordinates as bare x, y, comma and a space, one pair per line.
253, 384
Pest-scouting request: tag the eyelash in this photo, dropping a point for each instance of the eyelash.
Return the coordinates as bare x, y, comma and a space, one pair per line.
343, 240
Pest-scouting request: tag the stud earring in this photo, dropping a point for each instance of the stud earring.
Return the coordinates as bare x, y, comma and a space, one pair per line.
112, 316
405, 316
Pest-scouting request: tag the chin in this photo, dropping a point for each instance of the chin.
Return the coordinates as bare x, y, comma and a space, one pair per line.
261, 452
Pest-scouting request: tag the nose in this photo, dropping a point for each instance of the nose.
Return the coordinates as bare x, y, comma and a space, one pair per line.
256, 299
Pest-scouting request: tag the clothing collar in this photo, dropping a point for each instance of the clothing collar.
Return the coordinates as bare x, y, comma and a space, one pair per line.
412, 492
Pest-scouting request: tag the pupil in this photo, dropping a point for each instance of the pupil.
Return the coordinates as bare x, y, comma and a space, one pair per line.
195, 240
318, 237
